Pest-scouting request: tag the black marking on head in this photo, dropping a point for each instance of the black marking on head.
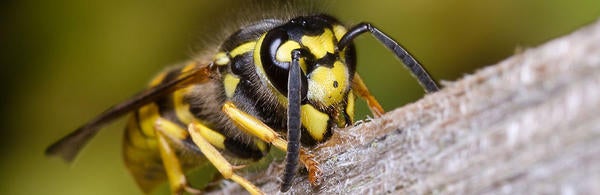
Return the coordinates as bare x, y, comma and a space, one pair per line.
307, 26
326, 61
294, 30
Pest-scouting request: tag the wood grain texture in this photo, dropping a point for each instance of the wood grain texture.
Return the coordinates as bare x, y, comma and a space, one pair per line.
527, 125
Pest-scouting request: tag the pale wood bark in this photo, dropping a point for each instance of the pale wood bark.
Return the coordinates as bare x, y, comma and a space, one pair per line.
527, 125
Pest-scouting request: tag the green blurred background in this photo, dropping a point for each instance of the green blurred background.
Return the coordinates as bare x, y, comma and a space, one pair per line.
64, 61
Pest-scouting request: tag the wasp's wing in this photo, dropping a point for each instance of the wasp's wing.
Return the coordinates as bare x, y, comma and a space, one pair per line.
68, 147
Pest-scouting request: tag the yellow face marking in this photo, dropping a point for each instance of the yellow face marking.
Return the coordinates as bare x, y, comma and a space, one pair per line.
321, 44
230, 82
339, 31
314, 120
221, 59
284, 53
328, 85
350, 106
243, 48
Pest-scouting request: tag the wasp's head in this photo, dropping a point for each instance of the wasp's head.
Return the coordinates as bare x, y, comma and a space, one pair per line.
327, 70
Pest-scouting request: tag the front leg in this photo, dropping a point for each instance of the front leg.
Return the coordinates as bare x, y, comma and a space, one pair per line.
253, 126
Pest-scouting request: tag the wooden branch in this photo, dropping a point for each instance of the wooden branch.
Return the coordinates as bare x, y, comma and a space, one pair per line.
528, 125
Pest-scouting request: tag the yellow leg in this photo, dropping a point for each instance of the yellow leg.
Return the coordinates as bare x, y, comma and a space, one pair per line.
255, 127
198, 131
361, 89
167, 131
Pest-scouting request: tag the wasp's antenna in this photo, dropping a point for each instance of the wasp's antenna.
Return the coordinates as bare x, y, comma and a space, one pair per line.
411, 63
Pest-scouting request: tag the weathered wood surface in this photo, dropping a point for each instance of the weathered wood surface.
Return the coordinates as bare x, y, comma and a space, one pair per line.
527, 125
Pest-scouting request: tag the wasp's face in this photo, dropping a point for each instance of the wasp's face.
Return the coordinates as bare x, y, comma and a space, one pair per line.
327, 72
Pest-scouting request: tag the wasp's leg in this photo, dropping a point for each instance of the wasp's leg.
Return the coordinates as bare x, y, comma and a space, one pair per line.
166, 131
255, 127
361, 89
206, 139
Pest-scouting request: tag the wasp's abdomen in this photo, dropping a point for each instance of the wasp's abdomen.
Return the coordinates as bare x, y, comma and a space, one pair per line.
140, 146
198, 103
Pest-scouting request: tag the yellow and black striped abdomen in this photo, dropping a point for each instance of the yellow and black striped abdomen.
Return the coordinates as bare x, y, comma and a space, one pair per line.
140, 146
195, 103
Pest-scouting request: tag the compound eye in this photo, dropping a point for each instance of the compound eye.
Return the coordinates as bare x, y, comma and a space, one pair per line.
276, 61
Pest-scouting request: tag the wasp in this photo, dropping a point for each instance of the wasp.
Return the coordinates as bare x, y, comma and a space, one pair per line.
284, 83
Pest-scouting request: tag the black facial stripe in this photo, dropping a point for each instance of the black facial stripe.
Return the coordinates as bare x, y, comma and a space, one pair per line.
326, 60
